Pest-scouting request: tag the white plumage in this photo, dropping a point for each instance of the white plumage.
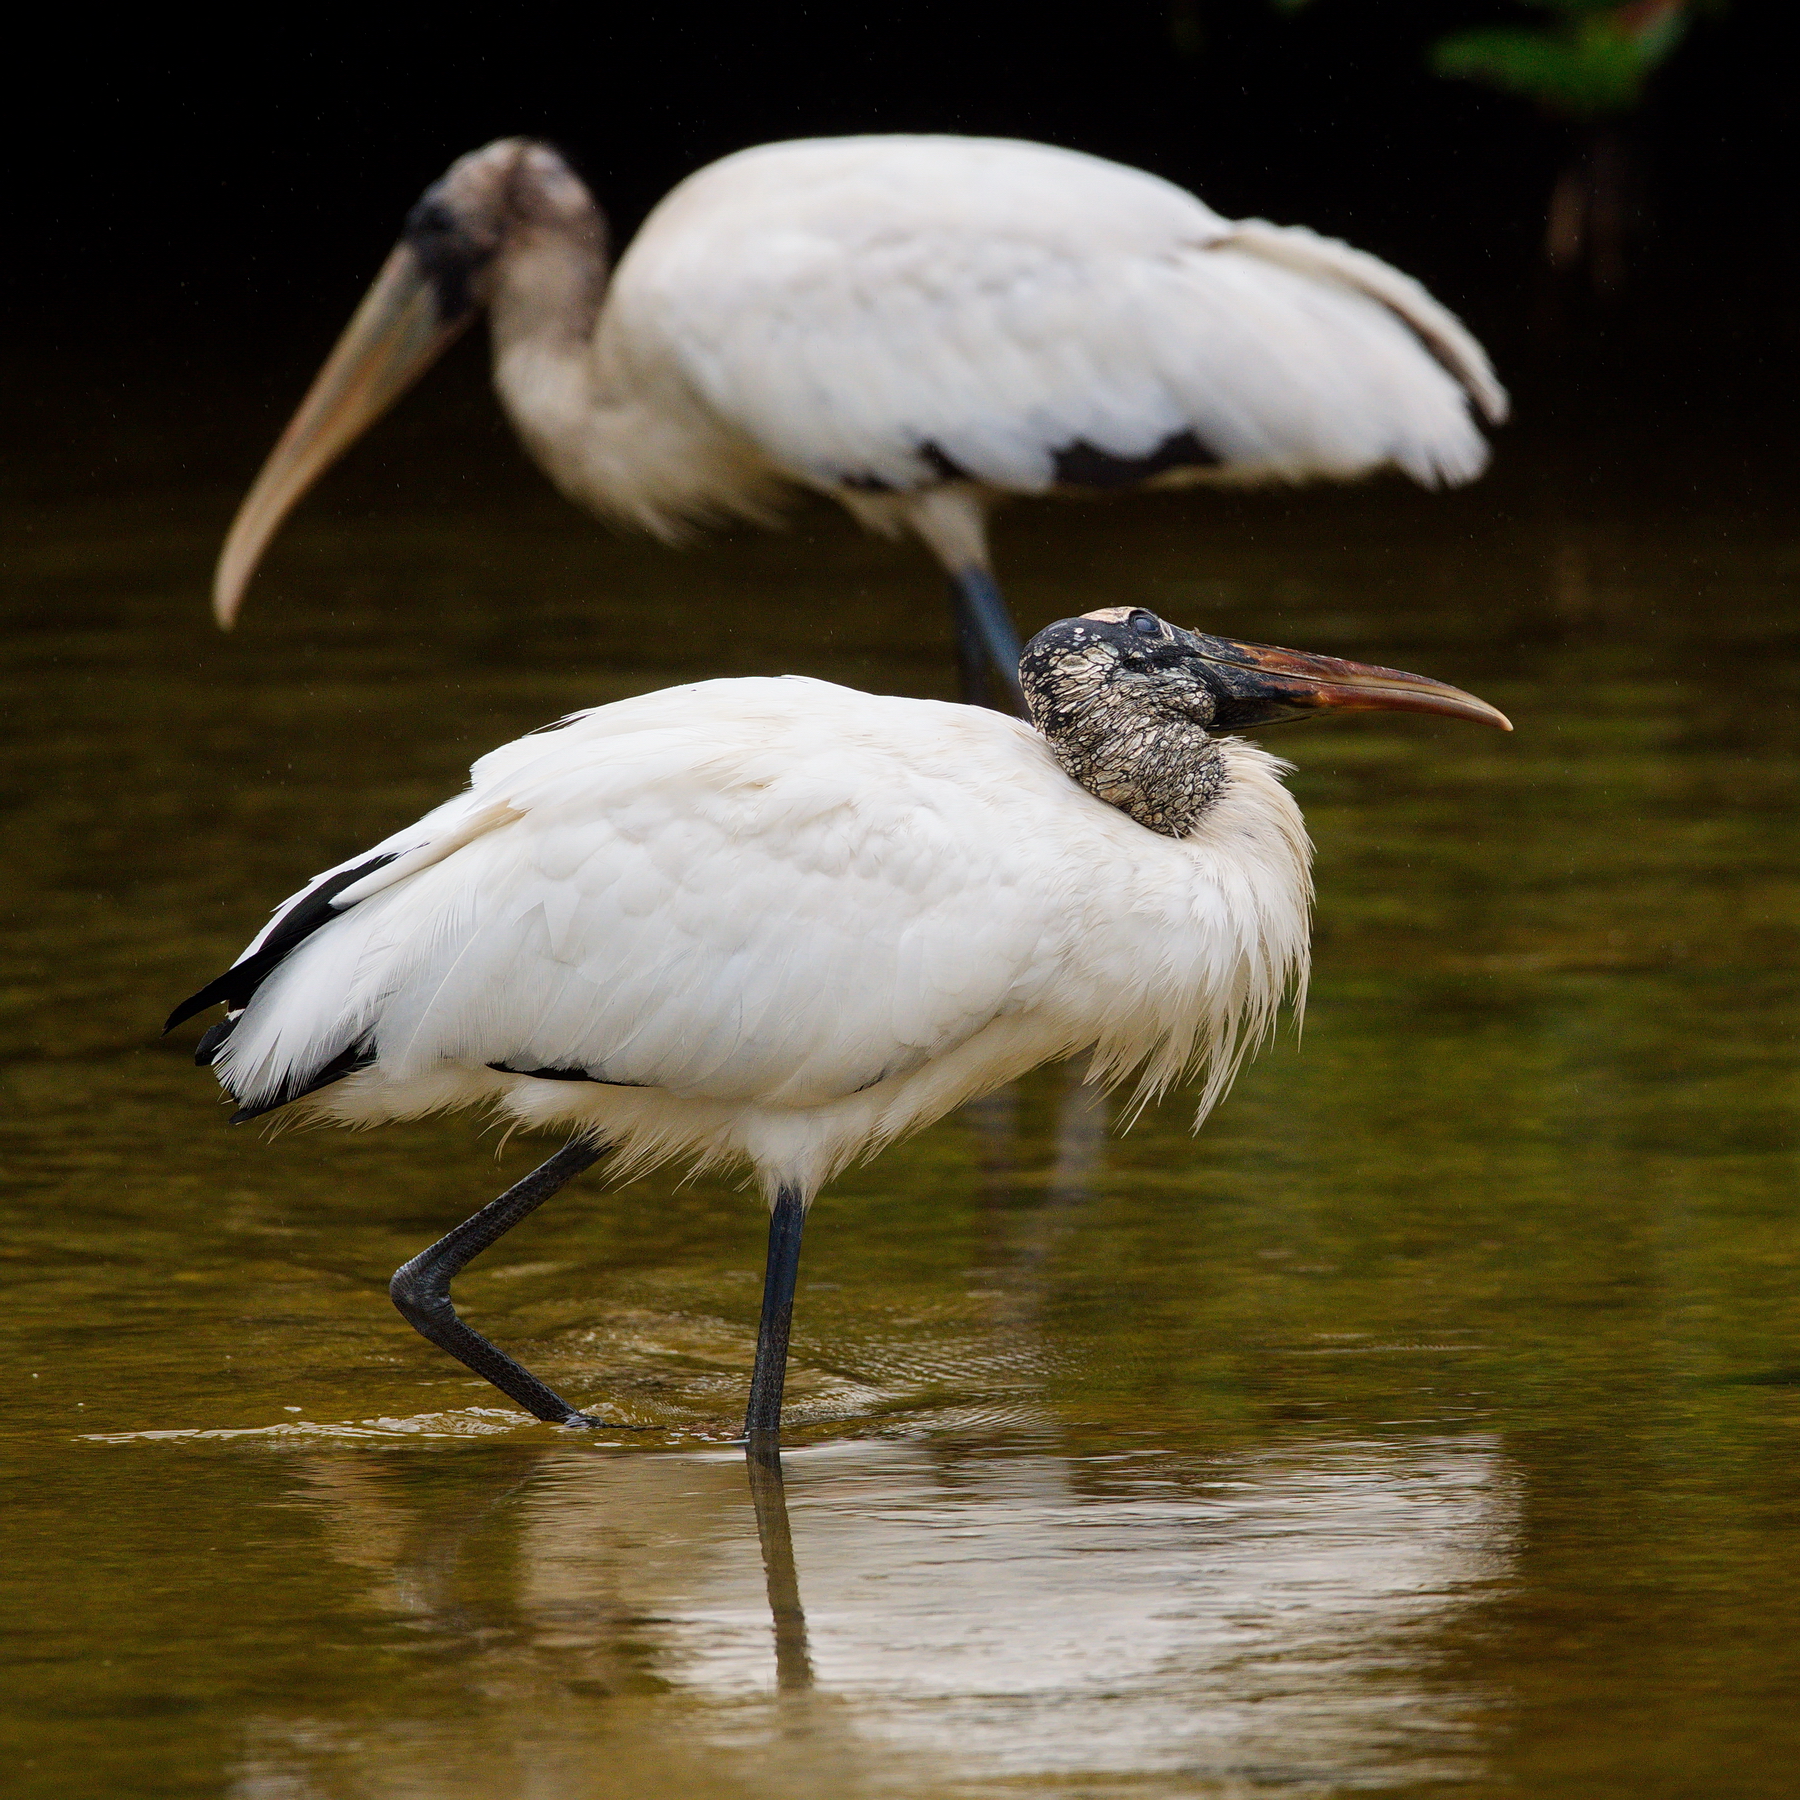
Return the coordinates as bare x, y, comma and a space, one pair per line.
915, 326
816, 312
798, 919
780, 923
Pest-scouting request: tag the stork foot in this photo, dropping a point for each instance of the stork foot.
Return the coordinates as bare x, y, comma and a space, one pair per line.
580, 1421
421, 1289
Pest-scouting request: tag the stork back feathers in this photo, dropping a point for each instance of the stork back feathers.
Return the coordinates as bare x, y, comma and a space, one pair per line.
771, 920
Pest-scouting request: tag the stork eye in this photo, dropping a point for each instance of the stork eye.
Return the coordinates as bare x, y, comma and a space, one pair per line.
430, 218
1145, 623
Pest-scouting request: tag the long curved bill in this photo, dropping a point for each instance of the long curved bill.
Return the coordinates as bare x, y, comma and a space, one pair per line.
397, 333
1259, 684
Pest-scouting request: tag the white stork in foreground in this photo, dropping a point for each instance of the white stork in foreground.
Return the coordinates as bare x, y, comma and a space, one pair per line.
916, 326
782, 923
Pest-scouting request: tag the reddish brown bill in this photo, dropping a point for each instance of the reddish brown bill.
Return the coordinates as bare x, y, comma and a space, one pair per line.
1307, 683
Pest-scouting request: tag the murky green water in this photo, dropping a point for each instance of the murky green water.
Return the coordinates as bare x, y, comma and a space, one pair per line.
1430, 1425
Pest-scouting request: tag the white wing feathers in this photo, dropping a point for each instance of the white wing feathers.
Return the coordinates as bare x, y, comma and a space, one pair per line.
778, 920
899, 305
706, 904
1307, 253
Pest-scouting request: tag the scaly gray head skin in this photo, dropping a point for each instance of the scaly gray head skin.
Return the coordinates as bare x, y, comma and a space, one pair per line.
1133, 706
476, 238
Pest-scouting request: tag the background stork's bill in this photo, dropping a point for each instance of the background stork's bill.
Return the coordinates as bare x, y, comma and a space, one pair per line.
916, 326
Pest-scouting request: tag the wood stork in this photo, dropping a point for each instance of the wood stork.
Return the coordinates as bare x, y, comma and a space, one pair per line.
782, 923
916, 326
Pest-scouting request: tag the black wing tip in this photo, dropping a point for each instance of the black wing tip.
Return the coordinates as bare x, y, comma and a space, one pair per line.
206, 1052
210, 995
236, 986
347, 1062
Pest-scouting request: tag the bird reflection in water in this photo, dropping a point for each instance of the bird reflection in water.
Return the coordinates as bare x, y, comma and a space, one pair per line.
1079, 1140
768, 1494
981, 1612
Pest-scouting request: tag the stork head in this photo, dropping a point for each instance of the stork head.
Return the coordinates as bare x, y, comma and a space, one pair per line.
1131, 704
464, 242
490, 200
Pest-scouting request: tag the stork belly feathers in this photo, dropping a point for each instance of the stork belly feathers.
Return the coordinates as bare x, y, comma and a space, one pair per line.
780, 921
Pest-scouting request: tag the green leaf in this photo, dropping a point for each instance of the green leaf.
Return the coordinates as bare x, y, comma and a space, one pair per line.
1595, 63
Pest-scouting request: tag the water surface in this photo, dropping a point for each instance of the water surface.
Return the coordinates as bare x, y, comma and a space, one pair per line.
1430, 1424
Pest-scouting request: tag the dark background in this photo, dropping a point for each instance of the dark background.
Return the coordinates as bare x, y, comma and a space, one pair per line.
195, 208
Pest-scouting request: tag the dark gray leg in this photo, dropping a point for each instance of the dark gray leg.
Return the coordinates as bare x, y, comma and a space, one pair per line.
987, 642
762, 1422
793, 1656
421, 1288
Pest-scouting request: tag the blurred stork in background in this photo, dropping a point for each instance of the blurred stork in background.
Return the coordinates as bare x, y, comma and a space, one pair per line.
915, 326
782, 923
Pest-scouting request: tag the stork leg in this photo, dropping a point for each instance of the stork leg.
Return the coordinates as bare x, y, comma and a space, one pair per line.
762, 1422
421, 1288
987, 642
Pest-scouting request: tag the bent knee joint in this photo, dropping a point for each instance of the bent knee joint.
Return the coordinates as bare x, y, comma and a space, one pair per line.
420, 1294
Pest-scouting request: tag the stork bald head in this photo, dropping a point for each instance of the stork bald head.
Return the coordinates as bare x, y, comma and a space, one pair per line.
1130, 704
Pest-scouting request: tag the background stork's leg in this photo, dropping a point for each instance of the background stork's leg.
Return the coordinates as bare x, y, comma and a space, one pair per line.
987, 642
421, 1288
950, 518
762, 1422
